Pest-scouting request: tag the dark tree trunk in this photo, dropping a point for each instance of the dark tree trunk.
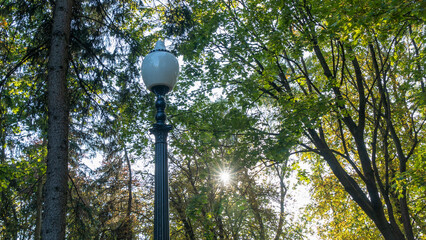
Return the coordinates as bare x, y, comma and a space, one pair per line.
56, 187
129, 222
37, 233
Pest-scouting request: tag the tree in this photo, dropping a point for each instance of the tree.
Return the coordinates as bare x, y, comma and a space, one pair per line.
56, 186
93, 82
212, 138
347, 79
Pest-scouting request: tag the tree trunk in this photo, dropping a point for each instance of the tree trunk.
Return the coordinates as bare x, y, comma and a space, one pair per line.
283, 193
376, 214
129, 222
56, 187
37, 233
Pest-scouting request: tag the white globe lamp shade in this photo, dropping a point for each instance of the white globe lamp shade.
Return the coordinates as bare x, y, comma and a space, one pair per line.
160, 68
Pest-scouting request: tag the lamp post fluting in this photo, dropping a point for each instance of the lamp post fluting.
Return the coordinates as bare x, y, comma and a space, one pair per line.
159, 72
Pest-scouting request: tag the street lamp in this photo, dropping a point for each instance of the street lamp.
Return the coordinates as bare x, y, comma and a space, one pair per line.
160, 69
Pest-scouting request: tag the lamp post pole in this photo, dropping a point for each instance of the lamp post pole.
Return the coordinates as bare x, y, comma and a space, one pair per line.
161, 198
159, 72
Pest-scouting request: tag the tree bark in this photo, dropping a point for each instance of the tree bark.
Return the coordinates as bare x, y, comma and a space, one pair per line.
56, 186
37, 233
283, 193
130, 199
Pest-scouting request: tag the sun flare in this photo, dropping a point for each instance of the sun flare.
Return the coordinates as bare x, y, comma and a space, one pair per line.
225, 177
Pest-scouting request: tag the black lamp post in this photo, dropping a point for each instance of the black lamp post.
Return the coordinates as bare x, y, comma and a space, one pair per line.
159, 72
